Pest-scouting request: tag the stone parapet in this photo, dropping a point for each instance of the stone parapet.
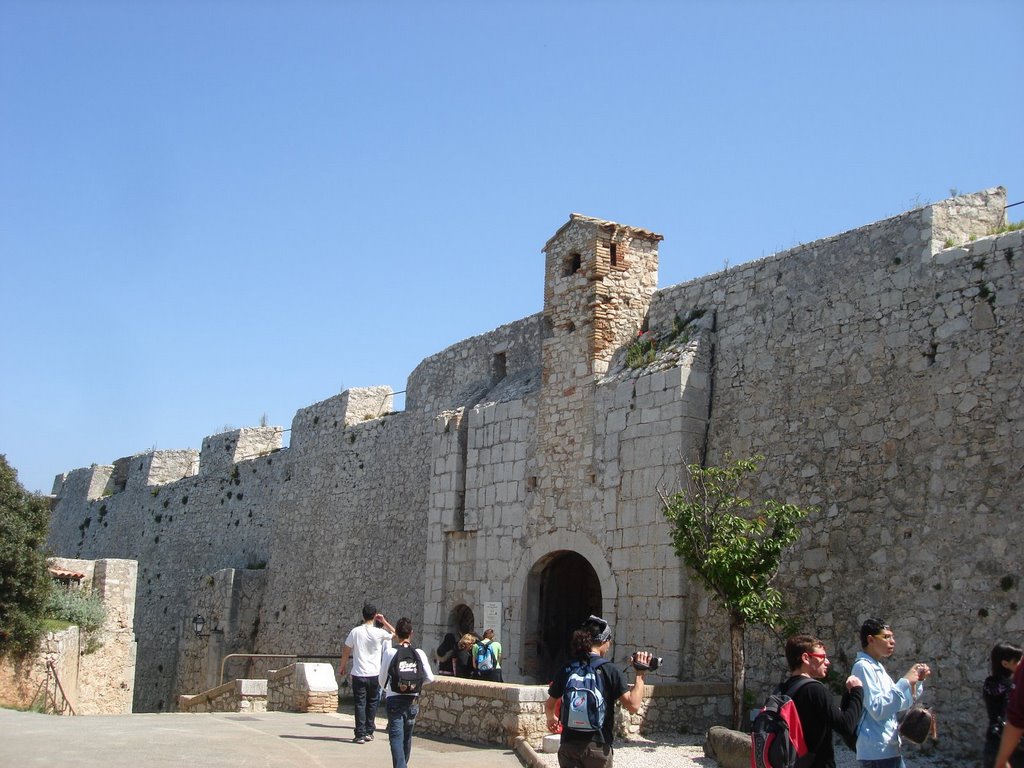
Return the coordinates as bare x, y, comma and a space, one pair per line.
500, 713
234, 696
474, 370
302, 687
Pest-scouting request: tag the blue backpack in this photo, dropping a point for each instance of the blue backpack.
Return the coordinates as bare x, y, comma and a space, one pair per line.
583, 701
485, 656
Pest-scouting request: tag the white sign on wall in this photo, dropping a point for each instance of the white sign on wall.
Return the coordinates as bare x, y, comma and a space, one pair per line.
492, 619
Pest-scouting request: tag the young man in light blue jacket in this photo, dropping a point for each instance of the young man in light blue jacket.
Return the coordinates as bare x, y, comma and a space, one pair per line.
878, 738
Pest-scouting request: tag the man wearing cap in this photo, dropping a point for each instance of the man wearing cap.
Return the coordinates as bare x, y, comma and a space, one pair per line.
593, 749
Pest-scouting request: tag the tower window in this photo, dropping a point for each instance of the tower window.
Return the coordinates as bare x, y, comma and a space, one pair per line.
613, 252
572, 264
498, 367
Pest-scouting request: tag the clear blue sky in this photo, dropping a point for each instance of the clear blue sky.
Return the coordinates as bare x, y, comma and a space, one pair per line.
216, 211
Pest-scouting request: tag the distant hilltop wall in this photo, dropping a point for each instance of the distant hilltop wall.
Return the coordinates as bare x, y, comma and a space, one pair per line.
878, 371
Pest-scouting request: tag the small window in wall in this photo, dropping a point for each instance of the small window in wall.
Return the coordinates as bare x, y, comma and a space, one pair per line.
498, 367
613, 252
572, 264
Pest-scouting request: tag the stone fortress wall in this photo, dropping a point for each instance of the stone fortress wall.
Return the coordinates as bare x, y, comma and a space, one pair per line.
878, 371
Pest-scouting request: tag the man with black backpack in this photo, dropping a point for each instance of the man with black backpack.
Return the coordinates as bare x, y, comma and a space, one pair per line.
403, 672
820, 716
587, 689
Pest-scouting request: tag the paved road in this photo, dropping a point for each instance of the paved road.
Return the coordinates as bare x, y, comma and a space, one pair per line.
230, 740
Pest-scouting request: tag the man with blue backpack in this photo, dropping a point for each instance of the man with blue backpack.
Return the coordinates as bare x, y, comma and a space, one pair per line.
587, 689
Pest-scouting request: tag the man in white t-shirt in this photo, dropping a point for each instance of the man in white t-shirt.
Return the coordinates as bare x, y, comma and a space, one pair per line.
365, 644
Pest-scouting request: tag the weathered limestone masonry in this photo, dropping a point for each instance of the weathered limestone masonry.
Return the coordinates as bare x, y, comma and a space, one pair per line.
352, 487
28, 681
879, 371
99, 682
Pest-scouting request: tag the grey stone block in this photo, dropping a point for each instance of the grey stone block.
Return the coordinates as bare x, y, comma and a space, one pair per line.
729, 748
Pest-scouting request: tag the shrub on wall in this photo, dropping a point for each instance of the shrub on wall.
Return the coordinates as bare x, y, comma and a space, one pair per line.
24, 580
72, 606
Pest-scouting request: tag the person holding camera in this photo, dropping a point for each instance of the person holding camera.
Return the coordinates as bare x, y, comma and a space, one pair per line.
365, 644
878, 738
587, 717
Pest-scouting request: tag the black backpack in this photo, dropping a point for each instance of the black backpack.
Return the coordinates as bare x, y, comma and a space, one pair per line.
405, 672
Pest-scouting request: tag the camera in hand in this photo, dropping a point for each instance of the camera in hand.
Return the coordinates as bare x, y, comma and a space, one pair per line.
654, 663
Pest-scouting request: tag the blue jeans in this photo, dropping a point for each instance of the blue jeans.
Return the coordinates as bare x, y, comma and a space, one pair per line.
885, 762
366, 692
402, 711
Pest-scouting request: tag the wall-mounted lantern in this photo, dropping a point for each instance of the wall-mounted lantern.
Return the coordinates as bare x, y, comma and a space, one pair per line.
198, 622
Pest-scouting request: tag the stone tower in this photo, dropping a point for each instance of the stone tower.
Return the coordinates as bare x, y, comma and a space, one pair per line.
599, 277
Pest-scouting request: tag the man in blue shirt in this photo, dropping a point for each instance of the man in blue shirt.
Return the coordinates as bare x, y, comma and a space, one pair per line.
878, 738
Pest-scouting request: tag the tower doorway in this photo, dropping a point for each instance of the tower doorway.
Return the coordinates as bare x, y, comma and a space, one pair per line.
563, 589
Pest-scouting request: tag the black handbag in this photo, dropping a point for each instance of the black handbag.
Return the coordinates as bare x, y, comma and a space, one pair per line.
917, 724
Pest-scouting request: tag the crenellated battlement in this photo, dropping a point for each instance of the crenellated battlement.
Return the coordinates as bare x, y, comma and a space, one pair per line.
222, 451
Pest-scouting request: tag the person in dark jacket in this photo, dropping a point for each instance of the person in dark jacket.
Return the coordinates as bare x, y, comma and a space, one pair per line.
996, 690
820, 716
1013, 730
445, 654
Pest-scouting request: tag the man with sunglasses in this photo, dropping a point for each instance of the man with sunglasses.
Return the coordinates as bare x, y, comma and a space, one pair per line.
820, 716
878, 738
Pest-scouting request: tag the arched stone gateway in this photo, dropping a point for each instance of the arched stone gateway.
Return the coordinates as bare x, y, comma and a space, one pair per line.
567, 592
562, 588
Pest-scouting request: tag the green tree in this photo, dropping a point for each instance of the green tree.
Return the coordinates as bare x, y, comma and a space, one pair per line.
735, 545
24, 580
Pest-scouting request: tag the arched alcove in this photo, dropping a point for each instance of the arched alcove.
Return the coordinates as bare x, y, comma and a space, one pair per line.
461, 620
562, 590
